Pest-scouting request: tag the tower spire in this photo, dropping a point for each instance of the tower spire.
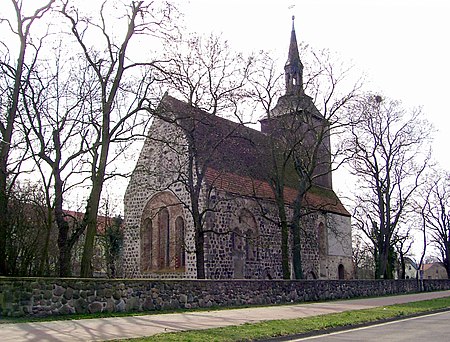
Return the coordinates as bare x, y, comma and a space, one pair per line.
293, 69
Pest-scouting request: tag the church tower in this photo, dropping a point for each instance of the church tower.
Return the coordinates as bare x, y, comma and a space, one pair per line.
295, 118
293, 70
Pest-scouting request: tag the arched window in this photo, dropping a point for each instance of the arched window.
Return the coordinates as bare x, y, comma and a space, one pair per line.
180, 255
146, 244
322, 239
341, 272
164, 239
162, 236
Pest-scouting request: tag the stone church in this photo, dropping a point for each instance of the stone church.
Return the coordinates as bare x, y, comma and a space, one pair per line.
230, 167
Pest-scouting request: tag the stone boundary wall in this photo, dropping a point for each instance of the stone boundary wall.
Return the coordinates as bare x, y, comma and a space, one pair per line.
58, 296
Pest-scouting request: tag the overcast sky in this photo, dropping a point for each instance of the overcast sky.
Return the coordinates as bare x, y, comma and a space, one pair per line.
401, 45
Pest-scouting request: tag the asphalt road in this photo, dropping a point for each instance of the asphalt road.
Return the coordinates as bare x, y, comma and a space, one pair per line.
430, 328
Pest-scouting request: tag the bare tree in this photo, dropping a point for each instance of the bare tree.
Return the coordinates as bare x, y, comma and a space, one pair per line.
57, 124
436, 215
29, 228
387, 146
299, 129
207, 73
108, 61
362, 253
21, 27
402, 248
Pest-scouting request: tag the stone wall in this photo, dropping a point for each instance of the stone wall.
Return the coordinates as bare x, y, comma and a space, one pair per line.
47, 296
227, 253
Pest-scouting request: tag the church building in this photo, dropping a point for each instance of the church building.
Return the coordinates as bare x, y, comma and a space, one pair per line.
227, 170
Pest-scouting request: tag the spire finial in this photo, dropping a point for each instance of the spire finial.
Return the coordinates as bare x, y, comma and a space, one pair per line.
293, 18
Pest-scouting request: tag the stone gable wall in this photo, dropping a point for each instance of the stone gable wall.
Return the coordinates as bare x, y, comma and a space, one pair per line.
48, 296
157, 169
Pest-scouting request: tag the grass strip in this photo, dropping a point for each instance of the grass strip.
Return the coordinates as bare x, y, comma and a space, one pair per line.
277, 328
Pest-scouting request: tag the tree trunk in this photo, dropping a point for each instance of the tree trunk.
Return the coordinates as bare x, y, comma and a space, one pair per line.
381, 261
296, 240
64, 262
5, 146
43, 263
284, 238
198, 228
402, 274
200, 252
98, 177
4, 220
447, 258
90, 221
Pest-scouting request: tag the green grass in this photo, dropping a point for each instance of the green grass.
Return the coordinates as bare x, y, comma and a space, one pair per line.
274, 328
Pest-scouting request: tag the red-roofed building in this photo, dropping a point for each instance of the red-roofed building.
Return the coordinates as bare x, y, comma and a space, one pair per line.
435, 270
237, 200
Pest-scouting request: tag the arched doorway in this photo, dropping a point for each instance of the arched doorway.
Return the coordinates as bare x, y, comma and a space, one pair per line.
341, 272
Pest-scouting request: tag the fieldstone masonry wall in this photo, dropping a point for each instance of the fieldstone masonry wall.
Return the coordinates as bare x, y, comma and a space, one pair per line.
46, 296
157, 168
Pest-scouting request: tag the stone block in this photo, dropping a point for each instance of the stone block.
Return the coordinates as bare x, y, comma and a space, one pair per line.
132, 304
110, 305
120, 306
117, 294
59, 290
183, 299
95, 307
148, 304
66, 310
80, 305
68, 294
47, 294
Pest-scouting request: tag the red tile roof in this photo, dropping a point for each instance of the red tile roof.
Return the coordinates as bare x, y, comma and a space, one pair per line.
316, 199
102, 221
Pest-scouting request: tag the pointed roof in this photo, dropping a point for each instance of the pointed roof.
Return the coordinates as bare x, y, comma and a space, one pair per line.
295, 99
293, 55
293, 69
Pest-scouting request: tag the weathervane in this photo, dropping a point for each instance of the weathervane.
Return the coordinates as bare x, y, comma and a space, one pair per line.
290, 7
